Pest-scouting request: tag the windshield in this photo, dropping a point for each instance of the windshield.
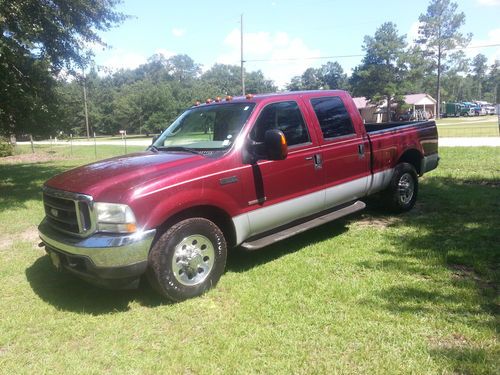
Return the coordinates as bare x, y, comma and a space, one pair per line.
206, 128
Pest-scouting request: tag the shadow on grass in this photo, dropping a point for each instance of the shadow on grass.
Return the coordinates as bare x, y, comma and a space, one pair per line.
456, 225
241, 260
23, 182
66, 292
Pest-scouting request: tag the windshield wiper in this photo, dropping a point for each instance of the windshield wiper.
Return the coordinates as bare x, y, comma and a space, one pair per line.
178, 148
152, 148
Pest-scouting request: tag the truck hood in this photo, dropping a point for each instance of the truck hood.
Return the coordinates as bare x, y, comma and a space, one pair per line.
111, 179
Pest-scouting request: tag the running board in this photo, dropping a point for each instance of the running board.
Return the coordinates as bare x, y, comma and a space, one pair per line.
302, 227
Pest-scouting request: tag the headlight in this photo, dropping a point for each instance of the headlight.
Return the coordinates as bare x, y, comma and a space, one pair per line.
115, 218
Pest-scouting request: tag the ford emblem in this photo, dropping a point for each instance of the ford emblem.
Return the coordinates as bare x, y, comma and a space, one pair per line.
54, 212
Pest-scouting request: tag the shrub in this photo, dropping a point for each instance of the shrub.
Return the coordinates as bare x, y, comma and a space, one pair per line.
6, 148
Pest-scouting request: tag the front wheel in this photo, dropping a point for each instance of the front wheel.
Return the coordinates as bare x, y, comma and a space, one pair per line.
402, 191
188, 259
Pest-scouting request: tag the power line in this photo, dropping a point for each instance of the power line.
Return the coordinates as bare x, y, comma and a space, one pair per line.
349, 56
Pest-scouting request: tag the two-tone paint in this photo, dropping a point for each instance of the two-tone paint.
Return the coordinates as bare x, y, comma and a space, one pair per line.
248, 199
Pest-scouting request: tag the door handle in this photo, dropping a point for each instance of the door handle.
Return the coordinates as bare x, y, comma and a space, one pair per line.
318, 162
361, 151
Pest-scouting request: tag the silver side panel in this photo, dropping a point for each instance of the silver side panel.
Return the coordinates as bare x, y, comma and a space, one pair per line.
346, 192
379, 181
429, 163
270, 217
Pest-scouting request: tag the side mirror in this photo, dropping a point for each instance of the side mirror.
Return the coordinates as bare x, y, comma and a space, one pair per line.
275, 145
155, 137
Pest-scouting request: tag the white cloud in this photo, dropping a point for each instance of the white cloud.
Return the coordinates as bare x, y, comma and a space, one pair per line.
120, 59
164, 52
277, 48
489, 2
178, 32
412, 34
493, 53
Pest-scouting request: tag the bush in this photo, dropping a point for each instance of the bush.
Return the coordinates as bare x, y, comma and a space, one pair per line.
6, 148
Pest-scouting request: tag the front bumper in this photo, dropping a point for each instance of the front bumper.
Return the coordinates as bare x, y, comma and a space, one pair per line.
102, 258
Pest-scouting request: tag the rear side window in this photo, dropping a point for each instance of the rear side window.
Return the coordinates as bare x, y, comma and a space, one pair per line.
285, 116
333, 117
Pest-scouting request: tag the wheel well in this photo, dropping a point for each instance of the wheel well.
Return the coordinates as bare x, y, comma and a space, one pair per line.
214, 214
413, 157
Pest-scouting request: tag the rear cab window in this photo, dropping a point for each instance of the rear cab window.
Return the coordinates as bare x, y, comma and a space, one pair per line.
333, 118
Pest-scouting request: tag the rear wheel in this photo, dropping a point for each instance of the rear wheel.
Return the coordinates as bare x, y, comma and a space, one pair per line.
402, 191
188, 259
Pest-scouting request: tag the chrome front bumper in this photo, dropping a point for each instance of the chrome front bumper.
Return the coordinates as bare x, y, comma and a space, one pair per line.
103, 250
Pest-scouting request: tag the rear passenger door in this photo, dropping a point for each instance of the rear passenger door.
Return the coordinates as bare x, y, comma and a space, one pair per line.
285, 190
344, 149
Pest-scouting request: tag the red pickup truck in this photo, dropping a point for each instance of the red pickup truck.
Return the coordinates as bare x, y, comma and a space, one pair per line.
246, 171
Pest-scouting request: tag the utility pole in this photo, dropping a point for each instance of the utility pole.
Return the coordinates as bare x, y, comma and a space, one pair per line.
242, 61
85, 104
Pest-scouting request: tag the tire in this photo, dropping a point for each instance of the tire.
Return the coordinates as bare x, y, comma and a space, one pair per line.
402, 191
188, 259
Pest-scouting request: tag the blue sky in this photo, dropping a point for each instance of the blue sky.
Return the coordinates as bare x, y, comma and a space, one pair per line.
208, 31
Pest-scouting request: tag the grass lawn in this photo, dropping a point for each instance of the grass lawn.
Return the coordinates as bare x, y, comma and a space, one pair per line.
371, 294
480, 126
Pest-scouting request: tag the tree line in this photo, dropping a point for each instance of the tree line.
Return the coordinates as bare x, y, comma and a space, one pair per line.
43, 50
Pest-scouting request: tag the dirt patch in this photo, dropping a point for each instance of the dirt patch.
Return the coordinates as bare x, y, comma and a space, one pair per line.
30, 158
453, 341
29, 235
492, 183
377, 222
5, 243
466, 272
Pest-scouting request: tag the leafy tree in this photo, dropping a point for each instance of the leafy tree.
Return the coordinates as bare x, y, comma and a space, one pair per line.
332, 76
328, 76
183, 67
225, 79
382, 70
479, 67
38, 39
256, 83
492, 84
439, 33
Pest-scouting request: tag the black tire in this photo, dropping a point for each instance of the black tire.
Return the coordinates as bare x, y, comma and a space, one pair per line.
401, 194
188, 259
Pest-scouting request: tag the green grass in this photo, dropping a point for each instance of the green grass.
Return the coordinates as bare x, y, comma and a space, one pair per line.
370, 294
480, 126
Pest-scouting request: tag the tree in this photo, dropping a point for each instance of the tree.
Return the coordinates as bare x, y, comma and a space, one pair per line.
479, 67
332, 76
225, 79
382, 70
38, 39
439, 33
256, 83
183, 67
328, 76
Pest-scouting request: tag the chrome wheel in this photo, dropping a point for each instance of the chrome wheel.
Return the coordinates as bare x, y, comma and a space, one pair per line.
406, 188
193, 260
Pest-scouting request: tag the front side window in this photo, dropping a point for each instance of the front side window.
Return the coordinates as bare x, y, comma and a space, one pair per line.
333, 117
285, 116
212, 127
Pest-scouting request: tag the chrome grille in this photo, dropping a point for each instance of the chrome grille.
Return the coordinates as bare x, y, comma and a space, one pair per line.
68, 212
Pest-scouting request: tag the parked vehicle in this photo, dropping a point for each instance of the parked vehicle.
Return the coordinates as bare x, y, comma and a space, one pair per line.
246, 172
453, 110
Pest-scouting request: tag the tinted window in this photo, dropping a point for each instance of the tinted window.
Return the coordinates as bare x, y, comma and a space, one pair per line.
333, 117
285, 116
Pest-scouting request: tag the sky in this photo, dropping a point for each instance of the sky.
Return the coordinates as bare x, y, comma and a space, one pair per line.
289, 34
